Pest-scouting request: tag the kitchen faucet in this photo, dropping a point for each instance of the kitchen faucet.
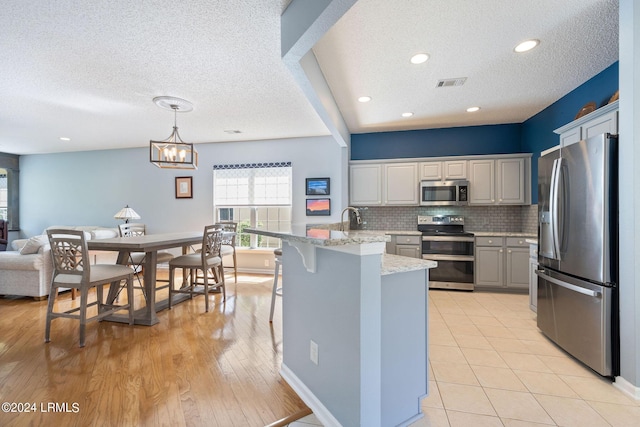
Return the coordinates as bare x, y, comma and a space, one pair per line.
355, 211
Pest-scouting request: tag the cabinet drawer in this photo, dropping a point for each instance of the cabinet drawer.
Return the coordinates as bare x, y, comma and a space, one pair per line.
489, 241
408, 240
517, 242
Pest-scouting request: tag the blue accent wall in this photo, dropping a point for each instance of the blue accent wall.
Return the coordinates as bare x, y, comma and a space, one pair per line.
532, 136
537, 131
460, 141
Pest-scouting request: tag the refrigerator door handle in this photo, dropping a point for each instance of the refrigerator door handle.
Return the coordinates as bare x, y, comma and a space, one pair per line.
553, 201
589, 292
554, 205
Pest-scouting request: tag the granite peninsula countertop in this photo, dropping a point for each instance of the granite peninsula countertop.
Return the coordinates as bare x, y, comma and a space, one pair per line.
397, 264
391, 264
324, 237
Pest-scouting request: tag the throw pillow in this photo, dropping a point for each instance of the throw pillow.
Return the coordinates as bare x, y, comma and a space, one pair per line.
33, 244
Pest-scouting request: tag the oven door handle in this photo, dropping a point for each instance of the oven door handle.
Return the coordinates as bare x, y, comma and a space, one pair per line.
447, 239
434, 257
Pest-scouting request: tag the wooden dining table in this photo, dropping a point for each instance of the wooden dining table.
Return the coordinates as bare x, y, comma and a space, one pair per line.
150, 244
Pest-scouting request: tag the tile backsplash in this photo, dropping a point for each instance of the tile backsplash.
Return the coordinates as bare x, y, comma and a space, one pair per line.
477, 218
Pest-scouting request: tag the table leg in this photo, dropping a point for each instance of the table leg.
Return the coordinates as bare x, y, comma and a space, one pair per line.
150, 265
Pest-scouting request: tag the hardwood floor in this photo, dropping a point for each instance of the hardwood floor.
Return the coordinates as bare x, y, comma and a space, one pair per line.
192, 369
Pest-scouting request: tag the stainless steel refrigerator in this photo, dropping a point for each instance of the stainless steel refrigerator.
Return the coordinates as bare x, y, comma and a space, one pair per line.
578, 251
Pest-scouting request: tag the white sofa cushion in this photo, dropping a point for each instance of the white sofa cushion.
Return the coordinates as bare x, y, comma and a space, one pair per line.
33, 245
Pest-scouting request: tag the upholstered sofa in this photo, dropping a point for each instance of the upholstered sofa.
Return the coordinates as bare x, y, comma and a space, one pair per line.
26, 269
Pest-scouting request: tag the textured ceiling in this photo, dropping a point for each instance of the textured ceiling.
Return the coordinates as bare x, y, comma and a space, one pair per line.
89, 70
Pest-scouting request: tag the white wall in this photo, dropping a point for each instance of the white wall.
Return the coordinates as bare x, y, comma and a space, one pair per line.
630, 198
88, 188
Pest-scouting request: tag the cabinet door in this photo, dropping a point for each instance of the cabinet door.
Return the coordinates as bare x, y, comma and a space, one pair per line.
606, 123
455, 169
571, 136
517, 268
482, 182
401, 184
365, 185
489, 266
511, 179
431, 171
411, 251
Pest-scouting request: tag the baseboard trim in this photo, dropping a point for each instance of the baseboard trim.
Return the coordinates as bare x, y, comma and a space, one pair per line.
291, 418
307, 396
627, 388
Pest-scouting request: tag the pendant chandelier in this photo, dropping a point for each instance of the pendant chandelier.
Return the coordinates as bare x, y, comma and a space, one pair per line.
173, 152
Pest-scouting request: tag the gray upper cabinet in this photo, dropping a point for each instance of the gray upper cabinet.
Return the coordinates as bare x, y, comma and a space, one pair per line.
602, 120
365, 185
401, 184
482, 181
384, 184
494, 180
503, 181
443, 170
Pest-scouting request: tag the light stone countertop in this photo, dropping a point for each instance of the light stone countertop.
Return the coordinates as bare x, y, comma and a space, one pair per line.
397, 264
324, 237
503, 234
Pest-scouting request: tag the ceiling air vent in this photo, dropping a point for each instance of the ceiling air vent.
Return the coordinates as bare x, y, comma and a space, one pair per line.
451, 82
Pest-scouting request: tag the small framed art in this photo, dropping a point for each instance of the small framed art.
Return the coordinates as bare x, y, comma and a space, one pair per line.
318, 187
318, 207
183, 187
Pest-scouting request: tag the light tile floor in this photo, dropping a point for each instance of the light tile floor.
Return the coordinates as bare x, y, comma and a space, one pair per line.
489, 365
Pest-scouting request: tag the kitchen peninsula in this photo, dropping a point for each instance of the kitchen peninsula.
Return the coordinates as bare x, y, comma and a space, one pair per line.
354, 326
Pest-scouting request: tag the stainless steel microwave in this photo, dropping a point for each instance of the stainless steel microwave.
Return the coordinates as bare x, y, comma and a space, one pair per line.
444, 193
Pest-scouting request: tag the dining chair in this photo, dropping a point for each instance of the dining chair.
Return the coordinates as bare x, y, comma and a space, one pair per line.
208, 258
229, 244
136, 259
72, 269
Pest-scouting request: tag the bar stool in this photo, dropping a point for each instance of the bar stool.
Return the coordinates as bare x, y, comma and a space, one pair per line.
276, 290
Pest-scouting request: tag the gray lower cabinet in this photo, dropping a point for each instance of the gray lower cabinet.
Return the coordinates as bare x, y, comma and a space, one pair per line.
405, 245
502, 262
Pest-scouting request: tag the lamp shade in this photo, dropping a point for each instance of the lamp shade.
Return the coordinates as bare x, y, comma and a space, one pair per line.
126, 213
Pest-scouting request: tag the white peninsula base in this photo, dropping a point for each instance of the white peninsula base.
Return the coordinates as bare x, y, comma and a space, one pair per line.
362, 316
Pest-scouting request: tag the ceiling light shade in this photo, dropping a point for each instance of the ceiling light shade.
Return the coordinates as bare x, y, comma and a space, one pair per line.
126, 213
173, 152
526, 45
419, 58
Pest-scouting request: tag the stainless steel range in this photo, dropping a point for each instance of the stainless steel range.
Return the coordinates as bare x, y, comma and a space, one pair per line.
445, 241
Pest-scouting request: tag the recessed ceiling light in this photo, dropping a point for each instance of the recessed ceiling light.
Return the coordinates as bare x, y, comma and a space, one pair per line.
526, 45
407, 114
419, 58
472, 109
364, 99
65, 138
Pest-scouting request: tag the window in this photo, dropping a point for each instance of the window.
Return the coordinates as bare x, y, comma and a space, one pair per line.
254, 195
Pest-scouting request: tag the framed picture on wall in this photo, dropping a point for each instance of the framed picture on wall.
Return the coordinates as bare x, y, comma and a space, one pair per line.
318, 207
318, 187
183, 187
